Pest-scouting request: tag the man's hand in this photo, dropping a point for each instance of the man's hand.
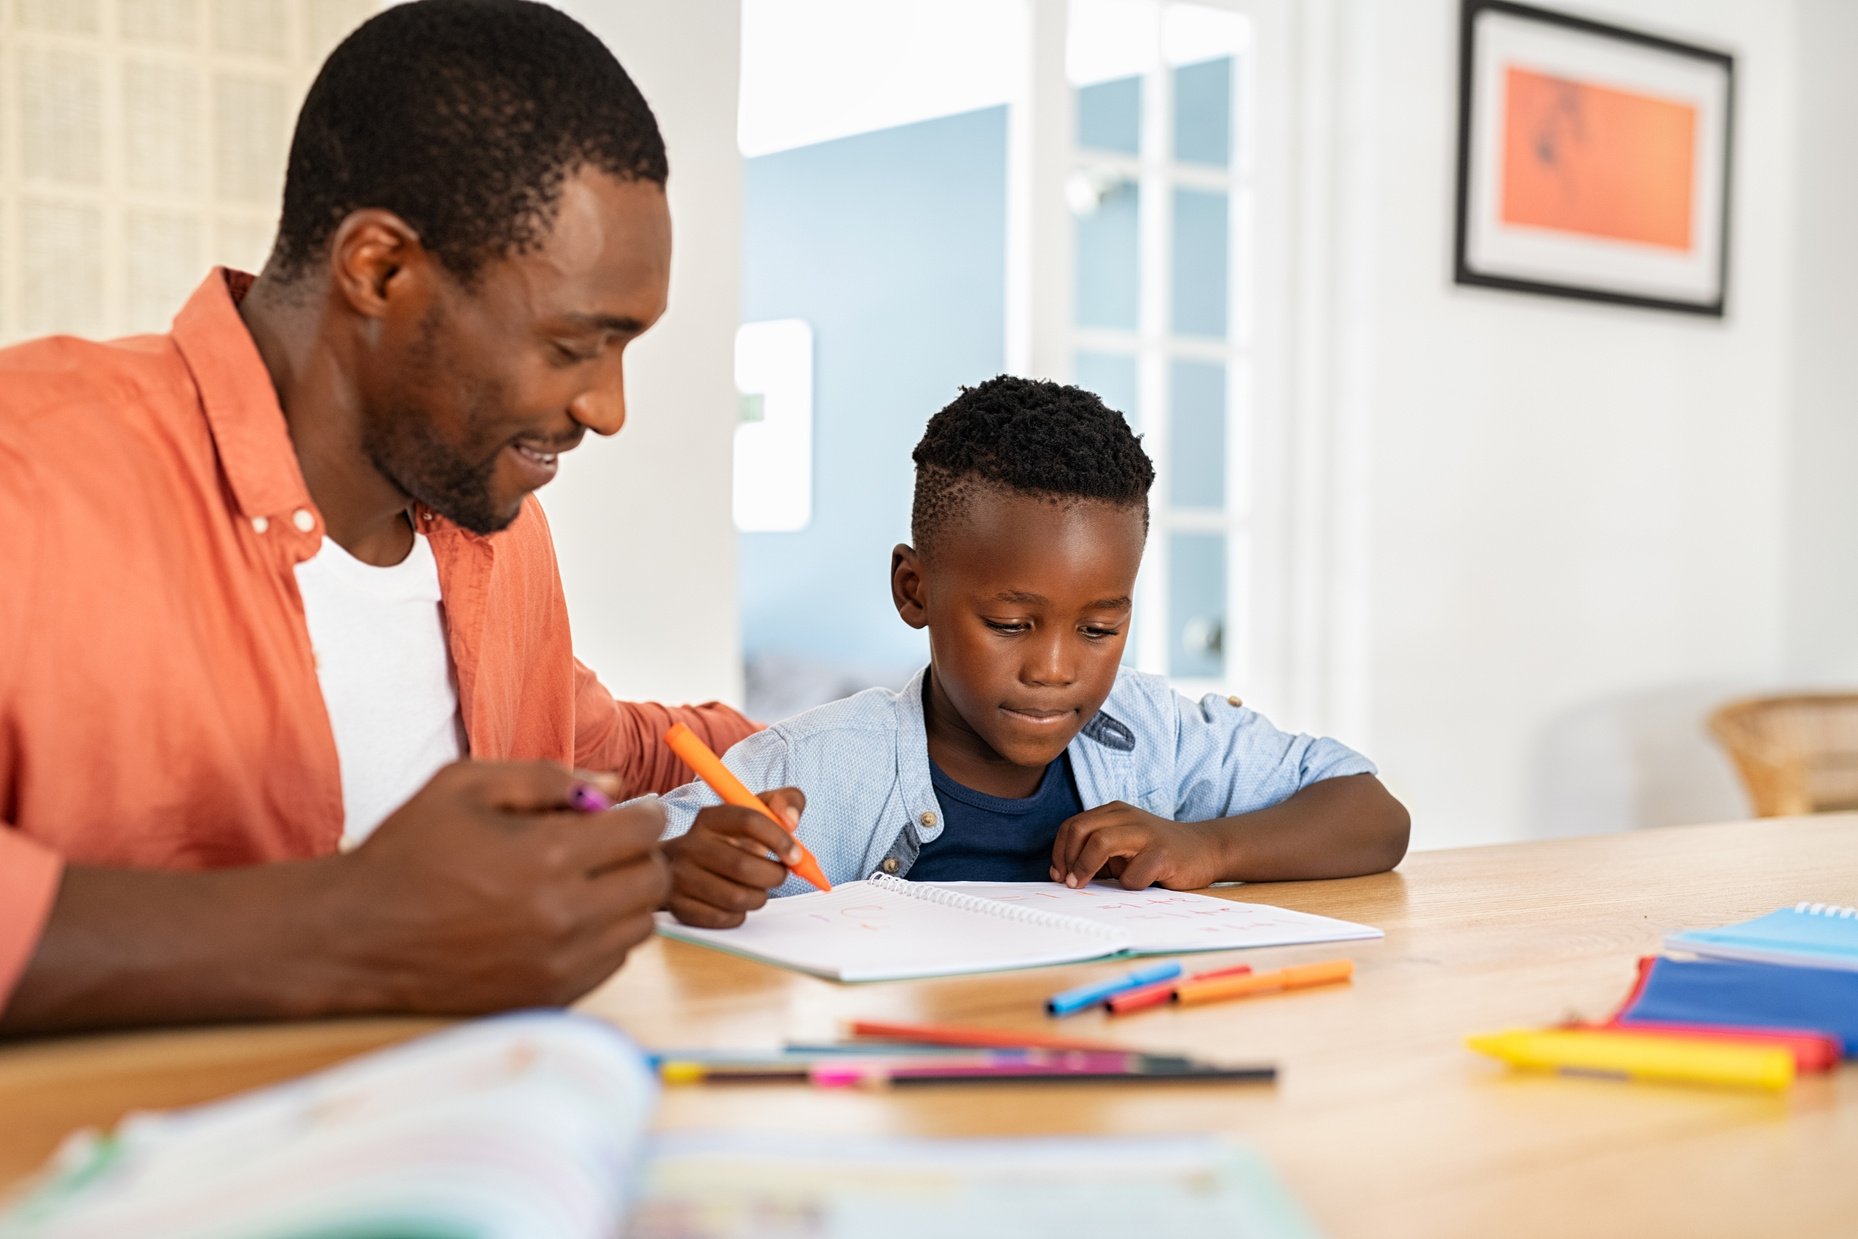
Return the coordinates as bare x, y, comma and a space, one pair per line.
721, 869
485, 891
1136, 849
482, 892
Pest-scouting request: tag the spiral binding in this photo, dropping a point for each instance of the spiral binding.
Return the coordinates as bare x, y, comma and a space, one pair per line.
995, 907
1826, 909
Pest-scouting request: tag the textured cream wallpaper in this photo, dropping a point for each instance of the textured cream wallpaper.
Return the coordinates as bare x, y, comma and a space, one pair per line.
142, 141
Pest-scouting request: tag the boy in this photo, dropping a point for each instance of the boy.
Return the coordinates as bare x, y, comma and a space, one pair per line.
1026, 751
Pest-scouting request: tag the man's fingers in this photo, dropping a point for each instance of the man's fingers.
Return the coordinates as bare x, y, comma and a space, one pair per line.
638, 886
598, 841
511, 786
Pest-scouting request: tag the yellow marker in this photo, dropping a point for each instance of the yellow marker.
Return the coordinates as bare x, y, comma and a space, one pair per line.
1637, 1056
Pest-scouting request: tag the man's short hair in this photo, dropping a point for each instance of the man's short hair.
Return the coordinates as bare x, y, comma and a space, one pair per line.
1045, 439
464, 118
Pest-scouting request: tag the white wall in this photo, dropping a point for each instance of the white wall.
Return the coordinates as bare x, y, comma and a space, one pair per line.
1571, 517
1822, 536
642, 521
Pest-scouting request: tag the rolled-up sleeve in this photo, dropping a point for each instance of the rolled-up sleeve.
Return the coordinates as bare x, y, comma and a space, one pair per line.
627, 737
29, 875
1231, 760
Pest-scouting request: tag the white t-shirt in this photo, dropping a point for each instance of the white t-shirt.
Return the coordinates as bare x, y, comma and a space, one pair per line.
386, 676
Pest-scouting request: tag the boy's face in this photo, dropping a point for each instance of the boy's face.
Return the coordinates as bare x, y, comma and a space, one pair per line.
1027, 603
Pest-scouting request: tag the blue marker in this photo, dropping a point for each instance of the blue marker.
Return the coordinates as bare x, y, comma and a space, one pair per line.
1075, 1000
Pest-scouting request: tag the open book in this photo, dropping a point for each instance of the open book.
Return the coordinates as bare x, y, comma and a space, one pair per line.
535, 1125
884, 928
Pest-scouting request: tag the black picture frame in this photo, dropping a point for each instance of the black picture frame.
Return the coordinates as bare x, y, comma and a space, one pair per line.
1698, 285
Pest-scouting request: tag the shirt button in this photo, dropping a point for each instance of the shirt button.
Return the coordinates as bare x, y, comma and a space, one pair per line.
303, 519
927, 819
1234, 701
261, 523
890, 864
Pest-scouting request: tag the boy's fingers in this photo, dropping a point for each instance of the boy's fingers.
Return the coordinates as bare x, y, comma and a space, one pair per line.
706, 886
702, 915
1142, 870
729, 822
1102, 844
1071, 837
788, 803
742, 865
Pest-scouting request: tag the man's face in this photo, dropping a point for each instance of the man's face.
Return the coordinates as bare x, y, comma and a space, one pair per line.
1028, 603
466, 408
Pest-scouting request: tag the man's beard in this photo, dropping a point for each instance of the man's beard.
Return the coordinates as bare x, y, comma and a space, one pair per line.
409, 455
401, 444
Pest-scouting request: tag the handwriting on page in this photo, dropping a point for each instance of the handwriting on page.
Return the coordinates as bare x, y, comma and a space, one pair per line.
1186, 913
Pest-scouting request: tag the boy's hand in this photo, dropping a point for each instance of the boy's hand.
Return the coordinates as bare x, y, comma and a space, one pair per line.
1136, 849
721, 869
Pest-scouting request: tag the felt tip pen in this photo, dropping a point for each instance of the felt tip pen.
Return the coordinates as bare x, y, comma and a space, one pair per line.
1636, 1056
1161, 993
1301, 976
834, 1077
721, 780
588, 799
1074, 1000
963, 1034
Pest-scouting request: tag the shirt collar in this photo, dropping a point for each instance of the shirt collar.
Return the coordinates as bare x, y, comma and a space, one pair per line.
241, 406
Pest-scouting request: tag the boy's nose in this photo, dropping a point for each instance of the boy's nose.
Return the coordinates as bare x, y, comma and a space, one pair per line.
1051, 663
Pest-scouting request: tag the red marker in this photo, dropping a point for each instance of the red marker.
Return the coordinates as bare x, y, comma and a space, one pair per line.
1161, 993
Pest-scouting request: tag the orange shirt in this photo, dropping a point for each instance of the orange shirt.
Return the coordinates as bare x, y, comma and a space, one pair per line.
158, 697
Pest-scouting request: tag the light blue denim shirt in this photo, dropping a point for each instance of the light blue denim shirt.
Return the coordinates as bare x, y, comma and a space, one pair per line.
863, 763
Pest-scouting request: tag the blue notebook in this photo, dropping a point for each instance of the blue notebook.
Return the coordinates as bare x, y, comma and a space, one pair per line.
1737, 994
1812, 935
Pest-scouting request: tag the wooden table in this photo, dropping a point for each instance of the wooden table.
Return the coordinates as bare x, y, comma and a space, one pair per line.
1382, 1123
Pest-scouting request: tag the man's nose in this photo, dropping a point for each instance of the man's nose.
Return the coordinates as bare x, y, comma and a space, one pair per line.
602, 407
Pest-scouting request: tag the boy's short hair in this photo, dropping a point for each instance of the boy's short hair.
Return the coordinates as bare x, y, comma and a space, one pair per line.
464, 118
1028, 435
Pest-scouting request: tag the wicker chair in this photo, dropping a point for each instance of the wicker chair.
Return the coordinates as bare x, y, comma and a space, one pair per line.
1796, 754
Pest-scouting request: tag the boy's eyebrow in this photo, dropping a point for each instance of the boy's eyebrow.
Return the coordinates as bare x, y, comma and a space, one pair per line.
1024, 599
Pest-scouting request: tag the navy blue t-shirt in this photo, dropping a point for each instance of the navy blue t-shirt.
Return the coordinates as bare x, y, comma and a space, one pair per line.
992, 839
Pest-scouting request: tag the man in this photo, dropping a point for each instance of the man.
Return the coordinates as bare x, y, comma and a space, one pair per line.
261, 577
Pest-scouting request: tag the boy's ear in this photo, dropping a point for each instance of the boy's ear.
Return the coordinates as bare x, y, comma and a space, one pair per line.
906, 586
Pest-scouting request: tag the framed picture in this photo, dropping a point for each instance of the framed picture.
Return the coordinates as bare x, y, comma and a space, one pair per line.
1593, 161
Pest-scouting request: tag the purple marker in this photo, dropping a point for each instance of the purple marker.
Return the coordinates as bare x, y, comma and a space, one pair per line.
588, 799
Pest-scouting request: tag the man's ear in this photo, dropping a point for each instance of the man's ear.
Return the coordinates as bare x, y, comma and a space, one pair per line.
906, 586
376, 256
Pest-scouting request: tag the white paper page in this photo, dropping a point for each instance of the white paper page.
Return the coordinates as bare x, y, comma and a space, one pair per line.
875, 931
1163, 921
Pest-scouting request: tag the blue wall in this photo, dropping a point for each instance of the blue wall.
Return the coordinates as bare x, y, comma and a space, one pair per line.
892, 245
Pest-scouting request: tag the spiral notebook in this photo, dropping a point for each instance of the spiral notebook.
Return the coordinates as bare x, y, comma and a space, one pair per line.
887, 929
1811, 935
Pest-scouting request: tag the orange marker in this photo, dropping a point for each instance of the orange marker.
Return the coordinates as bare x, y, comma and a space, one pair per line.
1162, 992
710, 769
1300, 977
